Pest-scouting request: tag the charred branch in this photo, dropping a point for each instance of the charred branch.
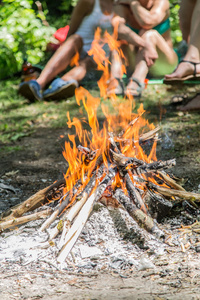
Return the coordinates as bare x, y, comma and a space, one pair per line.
137, 214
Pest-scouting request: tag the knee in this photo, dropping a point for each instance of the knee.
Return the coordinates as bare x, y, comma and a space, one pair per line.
150, 35
75, 40
78, 40
88, 63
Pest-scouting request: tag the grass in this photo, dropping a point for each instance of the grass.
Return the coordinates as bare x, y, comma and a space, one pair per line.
179, 134
20, 118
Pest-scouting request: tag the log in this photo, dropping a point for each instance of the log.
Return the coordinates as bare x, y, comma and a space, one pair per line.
158, 165
60, 208
28, 205
158, 206
73, 212
83, 215
58, 211
123, 161
148, 135
184, 195
170, 181
138, 215
22, 220
76, 229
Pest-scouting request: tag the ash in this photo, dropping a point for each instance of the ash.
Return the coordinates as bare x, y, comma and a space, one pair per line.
110, 240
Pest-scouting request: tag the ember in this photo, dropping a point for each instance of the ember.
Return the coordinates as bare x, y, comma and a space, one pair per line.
108, 165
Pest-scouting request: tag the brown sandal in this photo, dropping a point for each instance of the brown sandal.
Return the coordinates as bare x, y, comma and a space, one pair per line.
194, 76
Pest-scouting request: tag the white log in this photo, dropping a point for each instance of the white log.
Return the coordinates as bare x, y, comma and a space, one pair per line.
76, 228
70, 216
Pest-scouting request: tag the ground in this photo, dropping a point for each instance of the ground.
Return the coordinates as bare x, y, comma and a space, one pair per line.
32, 159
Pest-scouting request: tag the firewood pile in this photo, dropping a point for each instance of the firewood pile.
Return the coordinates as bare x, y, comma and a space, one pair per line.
110, 166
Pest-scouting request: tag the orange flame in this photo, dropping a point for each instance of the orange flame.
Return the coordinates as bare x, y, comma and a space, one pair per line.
75, 60
125, 125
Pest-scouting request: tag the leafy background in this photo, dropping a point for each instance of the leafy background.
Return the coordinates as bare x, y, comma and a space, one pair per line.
23, 34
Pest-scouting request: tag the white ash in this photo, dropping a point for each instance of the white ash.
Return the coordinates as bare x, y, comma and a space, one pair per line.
109, 241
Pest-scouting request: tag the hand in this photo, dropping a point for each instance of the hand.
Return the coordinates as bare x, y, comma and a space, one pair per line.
149, 54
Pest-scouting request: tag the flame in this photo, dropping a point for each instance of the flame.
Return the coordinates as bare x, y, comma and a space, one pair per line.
75, 60
125, 125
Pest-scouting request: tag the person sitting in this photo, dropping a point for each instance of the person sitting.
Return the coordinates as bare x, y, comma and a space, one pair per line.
189, 67
150, 20
86, 17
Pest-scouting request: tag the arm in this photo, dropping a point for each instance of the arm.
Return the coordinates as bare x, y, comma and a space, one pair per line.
81, 10
124, 32
148, 19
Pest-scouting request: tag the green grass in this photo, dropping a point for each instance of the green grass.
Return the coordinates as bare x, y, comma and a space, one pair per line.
20, 118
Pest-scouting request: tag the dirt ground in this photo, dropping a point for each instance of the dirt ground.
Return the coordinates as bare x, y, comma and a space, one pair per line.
38, 164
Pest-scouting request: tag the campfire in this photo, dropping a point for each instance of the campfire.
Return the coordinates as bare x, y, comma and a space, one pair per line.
115, 165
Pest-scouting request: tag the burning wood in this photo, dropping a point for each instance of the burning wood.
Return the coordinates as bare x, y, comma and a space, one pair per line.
107, 163
112, 165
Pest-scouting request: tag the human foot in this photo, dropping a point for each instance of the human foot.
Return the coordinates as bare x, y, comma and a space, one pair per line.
192, 105
115, 87
185, 70
134, 88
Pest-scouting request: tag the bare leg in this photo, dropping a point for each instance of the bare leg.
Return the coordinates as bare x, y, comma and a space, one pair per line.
79, 72
185, 16
60, 60
167, 59
193, 53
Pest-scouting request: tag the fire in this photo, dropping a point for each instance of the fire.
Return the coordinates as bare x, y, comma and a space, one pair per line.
123, 126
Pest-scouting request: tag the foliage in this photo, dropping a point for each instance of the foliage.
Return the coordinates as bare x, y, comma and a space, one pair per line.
65, 5
21, 34
174, 20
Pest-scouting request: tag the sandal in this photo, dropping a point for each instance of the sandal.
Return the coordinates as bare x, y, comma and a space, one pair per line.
186, 107
194, 76
135, 92
115, 87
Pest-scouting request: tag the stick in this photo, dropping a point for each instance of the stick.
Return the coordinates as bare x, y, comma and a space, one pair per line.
65, 223
77, 207
175, 193
60, 208
21, 220
31, 203
123, 161
54, 215
138, 215
82, 217
170, 181
158, 165
148, 135
135, 194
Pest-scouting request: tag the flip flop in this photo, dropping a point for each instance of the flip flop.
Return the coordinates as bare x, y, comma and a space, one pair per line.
136, 93
60, 89
176, 80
